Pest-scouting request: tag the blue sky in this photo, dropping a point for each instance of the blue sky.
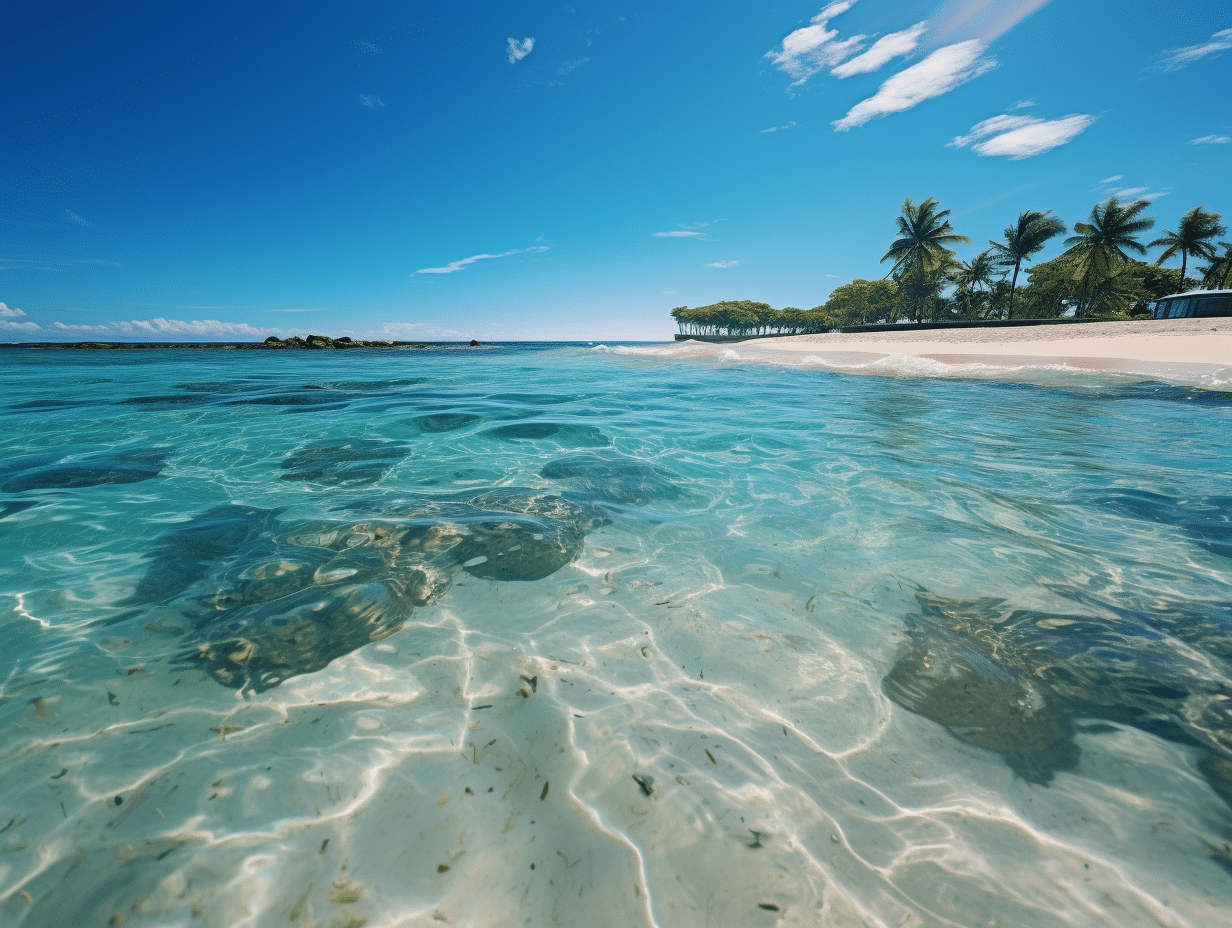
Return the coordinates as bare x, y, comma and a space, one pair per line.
510, 171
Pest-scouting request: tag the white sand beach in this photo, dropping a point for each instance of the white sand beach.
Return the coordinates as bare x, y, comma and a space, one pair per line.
1147, 346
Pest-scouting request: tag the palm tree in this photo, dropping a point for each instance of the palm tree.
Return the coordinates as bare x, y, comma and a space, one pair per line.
1022, 240
919, 252
1194, 236
1218, 275
1100, 244
970, 277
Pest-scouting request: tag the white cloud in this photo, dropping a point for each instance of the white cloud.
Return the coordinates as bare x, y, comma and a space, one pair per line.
1112, 180
1020, 137
465, 262
939, 73
723, 264
1212, 140
1023, 105
81, 327
790, 125
5, 312
371, 102
889, 46
1139, 193
519, 50
680, 233
199, 327
814, 47
10, 326
568, 67
1179, 57
77, 219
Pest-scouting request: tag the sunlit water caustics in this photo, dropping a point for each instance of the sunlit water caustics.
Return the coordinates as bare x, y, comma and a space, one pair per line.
610, 635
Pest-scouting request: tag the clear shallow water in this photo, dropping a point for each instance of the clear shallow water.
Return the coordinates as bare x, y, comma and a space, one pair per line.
622, 635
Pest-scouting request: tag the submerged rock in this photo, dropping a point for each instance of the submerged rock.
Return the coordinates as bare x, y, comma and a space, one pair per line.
1207, 520
614, 478
343, 463
445, 421
566, 433
58, 470
1018, 681
263, 601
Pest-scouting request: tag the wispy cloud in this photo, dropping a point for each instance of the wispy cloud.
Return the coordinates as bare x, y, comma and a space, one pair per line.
466, 262
723, 264
1180, 57
690, 231
814, 47
568, 67
6, 312
1023, 105
1021, 137
53, 264
519, 50
939, 73
418, 330
1211, 140
887, 47
297, 309
790, 125
77, 219
1107, 188
371, 102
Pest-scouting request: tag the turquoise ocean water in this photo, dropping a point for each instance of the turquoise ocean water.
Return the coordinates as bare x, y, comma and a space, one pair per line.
611, 635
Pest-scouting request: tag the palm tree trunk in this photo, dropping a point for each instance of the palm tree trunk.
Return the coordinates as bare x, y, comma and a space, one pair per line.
1013, 284
1184, 257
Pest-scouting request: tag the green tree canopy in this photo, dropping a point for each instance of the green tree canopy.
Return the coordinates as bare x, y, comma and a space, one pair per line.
861, 302
921, 258
1195, 235
1022, 240
1101, 243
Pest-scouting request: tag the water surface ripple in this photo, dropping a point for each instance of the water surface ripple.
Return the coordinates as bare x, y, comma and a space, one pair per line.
611, 635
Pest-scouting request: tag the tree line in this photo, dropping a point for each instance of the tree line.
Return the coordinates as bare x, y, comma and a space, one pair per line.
1097, 276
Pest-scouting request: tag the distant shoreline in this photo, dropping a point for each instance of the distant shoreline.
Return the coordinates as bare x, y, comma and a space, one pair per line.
336, 345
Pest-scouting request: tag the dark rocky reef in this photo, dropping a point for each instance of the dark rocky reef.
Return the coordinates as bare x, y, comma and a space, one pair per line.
1023, 683
263, 600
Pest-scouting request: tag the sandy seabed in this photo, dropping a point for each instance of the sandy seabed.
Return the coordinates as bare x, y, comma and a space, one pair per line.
1150, 346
